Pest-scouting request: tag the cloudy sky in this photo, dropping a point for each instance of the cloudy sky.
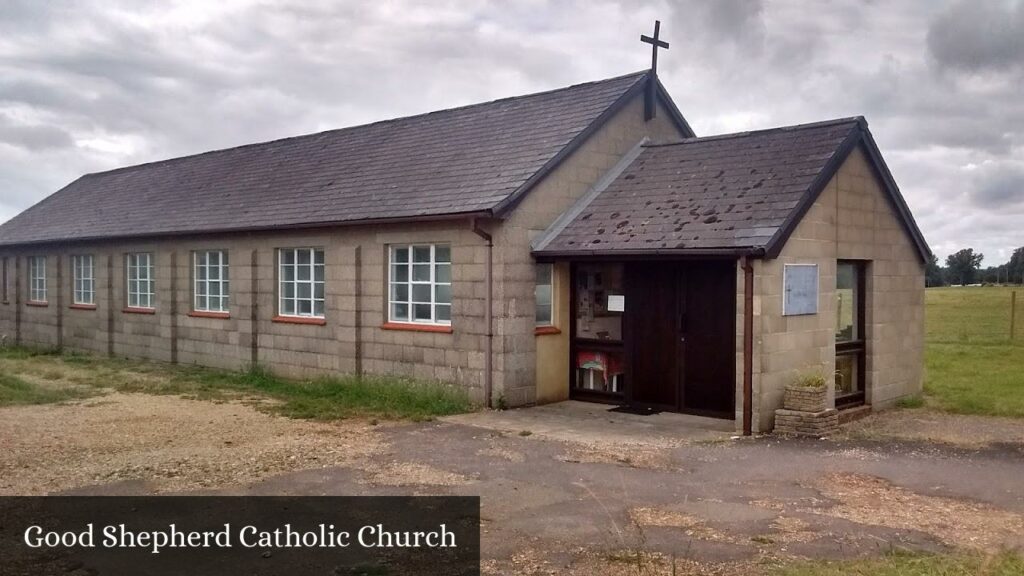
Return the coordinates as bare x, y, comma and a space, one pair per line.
89, 86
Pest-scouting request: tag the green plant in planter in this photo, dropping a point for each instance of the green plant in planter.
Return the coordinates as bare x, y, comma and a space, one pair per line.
814, 379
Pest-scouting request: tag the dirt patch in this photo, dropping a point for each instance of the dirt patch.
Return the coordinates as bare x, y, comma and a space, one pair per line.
871, 500
502, 453
690, 525
171, 443
410, 474
926, 425
623, 455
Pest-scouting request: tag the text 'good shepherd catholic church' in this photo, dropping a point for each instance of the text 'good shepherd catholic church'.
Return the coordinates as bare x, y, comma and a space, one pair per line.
577, 243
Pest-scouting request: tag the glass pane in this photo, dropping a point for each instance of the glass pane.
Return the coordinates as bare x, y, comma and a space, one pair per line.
318, 307
318, 273
542, 294
318, 257
444, 313
421, 272
201, 302
225, 290
442, 253
303, 272
305, 307
288, 307
287, 257
288, 273
543, 315
318, 290
400, 273
303, 257
304, 290
594, 283
421, 253
846, 375
201, 259
214, 273
600, 371
400, 254
421, 293
544, 274
289, 290
400, 292
201, 288
443, 273
400, 312
846, 302
421, 311
443, 294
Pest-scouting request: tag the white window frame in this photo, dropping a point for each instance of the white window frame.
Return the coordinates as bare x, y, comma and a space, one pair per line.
140, 286
211, 281
538, 295
437, 304
37, 279
83, 280
289, 301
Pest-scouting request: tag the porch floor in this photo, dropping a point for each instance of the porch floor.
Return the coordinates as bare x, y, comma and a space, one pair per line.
589, 422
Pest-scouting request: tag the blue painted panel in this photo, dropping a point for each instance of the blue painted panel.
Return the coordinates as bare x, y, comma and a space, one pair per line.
800, 289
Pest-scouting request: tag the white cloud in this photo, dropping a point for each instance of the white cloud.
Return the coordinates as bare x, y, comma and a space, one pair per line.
91, 86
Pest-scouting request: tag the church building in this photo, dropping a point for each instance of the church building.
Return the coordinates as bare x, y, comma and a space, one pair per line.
578, 243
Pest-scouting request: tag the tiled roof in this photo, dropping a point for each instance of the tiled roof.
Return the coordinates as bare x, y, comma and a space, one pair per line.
464, 160
731, 193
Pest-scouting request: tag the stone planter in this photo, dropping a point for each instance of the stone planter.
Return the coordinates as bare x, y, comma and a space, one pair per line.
803, 399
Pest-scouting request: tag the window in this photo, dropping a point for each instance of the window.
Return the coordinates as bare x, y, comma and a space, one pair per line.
211, 281
598, 351
83, 280
421, 284
301, 274
542, 295
140, 280
3, 287
850, 337
37, 279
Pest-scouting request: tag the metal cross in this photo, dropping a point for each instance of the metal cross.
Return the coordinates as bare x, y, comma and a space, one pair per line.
655, 44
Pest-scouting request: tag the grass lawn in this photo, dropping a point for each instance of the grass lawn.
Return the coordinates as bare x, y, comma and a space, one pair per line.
911, 564
34, 377
972, 365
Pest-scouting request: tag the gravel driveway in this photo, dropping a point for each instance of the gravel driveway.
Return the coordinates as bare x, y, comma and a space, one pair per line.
164, 444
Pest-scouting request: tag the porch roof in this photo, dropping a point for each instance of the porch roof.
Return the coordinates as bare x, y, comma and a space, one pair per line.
718, 195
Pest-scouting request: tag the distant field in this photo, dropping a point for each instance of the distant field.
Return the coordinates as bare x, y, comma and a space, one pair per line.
972, 365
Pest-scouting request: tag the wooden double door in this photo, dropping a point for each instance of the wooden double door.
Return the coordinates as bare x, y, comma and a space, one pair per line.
680, 336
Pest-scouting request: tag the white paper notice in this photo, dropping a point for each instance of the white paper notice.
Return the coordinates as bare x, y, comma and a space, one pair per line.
616, 303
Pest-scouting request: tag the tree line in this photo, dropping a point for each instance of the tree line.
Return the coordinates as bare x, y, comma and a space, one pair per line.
964, 267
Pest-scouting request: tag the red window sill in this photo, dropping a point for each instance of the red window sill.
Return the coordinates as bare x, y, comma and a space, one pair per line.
299, 320
416, 327
82, 307
542, 330
37, 304
205, 314
130, 310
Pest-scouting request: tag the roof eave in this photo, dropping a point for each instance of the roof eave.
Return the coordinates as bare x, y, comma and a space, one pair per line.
734, 252
486, 214
859, 136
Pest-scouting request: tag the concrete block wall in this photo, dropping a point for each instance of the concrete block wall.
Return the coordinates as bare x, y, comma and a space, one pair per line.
351, 339
851, 220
